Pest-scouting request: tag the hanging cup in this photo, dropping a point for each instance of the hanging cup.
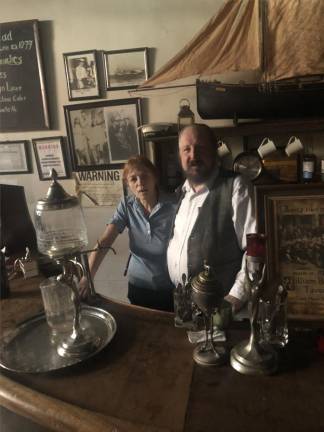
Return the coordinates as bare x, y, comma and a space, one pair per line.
266, 147
222, 149
294, 146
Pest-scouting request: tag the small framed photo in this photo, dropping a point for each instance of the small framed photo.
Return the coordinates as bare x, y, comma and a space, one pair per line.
104, 133
292, 217
125, 69
81, 71
14, 157
51, 153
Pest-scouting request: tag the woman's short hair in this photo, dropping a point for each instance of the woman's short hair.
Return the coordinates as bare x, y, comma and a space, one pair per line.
139, 162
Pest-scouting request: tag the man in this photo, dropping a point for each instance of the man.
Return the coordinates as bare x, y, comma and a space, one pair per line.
214, 215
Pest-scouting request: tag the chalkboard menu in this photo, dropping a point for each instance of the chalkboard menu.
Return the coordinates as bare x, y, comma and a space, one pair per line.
22, 92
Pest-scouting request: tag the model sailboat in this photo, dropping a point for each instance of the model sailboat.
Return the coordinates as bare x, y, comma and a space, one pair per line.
279, 42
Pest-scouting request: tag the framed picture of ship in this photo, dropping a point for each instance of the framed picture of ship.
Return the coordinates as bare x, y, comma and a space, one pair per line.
125, 69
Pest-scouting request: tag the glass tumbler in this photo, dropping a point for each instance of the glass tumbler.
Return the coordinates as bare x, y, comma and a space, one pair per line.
59, 307
273, 323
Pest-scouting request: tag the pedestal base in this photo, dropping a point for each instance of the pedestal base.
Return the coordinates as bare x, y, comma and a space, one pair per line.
253, 360
209, 357
78, 346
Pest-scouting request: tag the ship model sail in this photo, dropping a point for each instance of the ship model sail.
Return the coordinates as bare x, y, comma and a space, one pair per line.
279, 43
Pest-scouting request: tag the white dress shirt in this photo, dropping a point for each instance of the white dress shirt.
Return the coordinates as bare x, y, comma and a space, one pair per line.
243, 220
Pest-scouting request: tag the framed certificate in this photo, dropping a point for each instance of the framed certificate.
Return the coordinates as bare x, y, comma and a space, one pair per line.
14, 158
51, 153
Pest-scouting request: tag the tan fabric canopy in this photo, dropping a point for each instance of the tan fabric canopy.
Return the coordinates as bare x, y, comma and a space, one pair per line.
288, 42
294, 42
228, 42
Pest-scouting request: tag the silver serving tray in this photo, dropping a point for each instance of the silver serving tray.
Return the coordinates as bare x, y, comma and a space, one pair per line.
29, 347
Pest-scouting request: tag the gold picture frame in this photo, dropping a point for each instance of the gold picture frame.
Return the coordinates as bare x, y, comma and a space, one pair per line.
292, 217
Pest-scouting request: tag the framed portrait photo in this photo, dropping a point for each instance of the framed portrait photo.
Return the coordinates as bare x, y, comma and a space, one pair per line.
14, 157
51, 153
102, 134
125, 69
81, 71
292, 217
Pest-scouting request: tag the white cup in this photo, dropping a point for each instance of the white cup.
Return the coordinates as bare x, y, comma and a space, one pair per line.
222, 149
294, 146
266, 147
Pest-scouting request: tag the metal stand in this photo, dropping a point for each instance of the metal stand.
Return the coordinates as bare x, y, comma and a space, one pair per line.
81, 342
206, 353
248, 357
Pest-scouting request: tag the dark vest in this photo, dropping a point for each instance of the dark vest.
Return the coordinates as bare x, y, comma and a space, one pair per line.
213, 236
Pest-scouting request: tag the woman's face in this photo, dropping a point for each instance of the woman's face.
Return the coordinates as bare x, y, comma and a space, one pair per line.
142, 183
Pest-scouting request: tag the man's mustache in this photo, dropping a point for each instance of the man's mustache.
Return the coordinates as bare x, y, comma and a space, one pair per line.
194, 163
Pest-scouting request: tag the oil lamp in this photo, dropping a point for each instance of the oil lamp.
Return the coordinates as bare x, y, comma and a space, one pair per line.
62, 235
185, 116
249, 357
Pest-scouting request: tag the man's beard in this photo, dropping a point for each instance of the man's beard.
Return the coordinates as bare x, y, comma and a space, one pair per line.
200, 174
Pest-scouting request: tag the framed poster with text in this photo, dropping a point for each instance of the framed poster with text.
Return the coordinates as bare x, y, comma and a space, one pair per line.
292, 217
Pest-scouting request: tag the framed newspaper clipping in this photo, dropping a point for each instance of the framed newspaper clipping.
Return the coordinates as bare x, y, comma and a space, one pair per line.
292, 217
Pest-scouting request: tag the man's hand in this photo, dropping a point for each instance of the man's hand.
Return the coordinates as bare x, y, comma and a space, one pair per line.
236, 303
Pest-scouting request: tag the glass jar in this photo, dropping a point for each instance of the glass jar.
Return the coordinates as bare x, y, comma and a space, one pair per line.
59, 223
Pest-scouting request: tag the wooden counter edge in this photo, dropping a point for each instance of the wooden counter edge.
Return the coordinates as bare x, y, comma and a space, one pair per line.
57, 415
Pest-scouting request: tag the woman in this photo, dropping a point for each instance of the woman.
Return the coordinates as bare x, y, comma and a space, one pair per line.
149, 220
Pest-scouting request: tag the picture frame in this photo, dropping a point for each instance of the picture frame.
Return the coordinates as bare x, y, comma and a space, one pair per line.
125, 69
292, 217
14, 157
103, 135
51, 153
81, 70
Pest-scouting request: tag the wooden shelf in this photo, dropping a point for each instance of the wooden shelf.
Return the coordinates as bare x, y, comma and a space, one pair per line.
263, 127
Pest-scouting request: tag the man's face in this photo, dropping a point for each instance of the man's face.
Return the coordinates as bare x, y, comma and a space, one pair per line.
197, 155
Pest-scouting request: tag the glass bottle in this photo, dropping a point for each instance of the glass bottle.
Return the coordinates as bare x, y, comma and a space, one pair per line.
308, 167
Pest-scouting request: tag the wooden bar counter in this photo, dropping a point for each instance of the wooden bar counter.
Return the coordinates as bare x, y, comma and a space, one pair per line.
146, 381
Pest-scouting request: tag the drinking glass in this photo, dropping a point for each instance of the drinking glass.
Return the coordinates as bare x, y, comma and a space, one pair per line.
273, 323
59, 307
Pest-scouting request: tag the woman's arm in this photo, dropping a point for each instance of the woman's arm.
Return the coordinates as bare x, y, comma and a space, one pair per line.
95, 258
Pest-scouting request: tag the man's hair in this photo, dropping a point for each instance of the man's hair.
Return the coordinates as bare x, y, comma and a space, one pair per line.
139, 162
201, 128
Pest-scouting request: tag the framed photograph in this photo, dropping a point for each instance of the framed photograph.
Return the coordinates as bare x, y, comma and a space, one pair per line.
14, 157
292, 217
125, 69
82, 75
102, 134
50, 153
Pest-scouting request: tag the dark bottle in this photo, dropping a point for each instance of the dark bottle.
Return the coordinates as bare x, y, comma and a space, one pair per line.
308, 168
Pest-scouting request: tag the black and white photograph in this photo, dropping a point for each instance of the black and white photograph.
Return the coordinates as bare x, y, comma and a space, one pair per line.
103, 133
123, 140
82, 75
125, 69
51, 153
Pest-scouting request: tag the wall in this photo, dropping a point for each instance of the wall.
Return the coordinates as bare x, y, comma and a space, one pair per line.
78, 25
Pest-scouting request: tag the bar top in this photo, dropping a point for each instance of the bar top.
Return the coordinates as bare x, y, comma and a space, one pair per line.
145, 380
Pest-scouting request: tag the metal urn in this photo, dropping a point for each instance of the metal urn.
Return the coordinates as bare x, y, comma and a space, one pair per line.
62, 235
250, 357
207, 294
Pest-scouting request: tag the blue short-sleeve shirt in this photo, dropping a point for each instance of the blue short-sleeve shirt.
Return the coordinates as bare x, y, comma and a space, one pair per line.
148, 241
